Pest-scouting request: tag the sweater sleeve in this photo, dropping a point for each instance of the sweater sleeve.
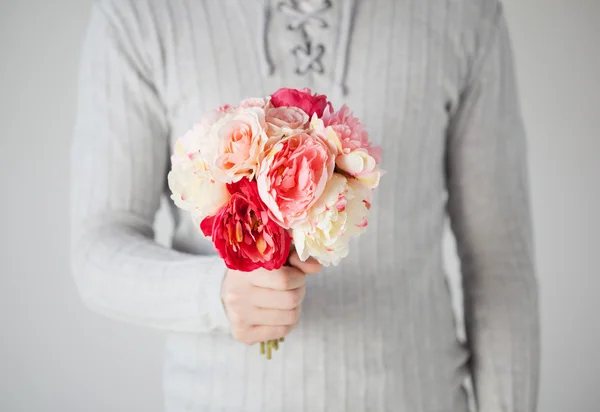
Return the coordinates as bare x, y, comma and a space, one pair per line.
119, 162
490, 216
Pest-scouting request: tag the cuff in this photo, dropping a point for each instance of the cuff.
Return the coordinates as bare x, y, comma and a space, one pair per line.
217, 317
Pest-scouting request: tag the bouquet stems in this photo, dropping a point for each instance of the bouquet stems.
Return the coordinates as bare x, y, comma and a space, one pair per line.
267, 347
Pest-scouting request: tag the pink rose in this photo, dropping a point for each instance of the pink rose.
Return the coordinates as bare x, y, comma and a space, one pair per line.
293, 175
233, 142
302, 99
286, 121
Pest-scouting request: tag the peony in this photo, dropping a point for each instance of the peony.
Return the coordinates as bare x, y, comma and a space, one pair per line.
339, 215
244, 235
360, 165
254, 102
233, 141
192, 186
286, 121
293, 176
351, 131
354, 154
246, 103
302, 99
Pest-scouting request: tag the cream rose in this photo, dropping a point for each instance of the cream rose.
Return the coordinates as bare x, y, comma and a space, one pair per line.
339, 215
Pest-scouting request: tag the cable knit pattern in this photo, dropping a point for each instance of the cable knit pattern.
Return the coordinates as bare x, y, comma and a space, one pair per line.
433, 82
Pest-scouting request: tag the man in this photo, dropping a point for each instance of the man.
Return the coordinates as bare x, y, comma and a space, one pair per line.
433, 81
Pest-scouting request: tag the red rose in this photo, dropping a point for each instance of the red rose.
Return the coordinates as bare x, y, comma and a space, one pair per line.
244, 235
303, 99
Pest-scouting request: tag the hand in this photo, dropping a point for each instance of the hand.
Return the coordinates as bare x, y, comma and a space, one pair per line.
265, 305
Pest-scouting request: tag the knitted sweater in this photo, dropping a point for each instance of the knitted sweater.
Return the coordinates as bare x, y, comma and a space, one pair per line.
433, 82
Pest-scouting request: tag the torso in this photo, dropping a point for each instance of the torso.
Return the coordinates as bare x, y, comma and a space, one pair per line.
377, 332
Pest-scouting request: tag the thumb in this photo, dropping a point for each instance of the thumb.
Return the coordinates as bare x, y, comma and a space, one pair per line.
310, 266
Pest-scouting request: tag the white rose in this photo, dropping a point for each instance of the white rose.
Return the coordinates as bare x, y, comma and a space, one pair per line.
340, 214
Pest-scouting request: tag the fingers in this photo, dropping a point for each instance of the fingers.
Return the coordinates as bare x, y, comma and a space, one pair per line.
255, 334
310, 266
273, 317
286, 278
277, 299
264, 305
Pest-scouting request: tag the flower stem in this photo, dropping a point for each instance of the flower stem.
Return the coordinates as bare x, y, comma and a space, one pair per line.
262, 348
276, 344
269, 346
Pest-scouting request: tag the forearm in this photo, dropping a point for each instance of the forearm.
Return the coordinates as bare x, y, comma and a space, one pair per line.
122, 273
500, 289
501, 311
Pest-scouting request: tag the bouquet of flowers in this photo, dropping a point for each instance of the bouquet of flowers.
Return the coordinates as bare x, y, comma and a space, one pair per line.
273, 171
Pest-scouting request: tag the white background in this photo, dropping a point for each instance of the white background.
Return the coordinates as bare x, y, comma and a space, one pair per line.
57, 356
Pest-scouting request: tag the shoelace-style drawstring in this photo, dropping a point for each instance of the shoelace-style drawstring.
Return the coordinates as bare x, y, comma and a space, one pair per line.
302, 14
304, 18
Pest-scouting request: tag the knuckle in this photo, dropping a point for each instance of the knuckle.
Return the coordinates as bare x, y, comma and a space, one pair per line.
232, 298
292, 300
294, 316
235, 318
243, 335
284, 281
314, 269
295, 260
298, 297
276, 332
239, 334
248, 341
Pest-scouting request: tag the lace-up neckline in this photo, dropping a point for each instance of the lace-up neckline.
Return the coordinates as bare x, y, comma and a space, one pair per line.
303, 16
306, 19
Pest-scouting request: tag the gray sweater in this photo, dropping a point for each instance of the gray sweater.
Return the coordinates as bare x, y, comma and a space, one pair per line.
433, 81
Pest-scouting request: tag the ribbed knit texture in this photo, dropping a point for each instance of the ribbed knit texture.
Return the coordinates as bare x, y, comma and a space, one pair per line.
433, 81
